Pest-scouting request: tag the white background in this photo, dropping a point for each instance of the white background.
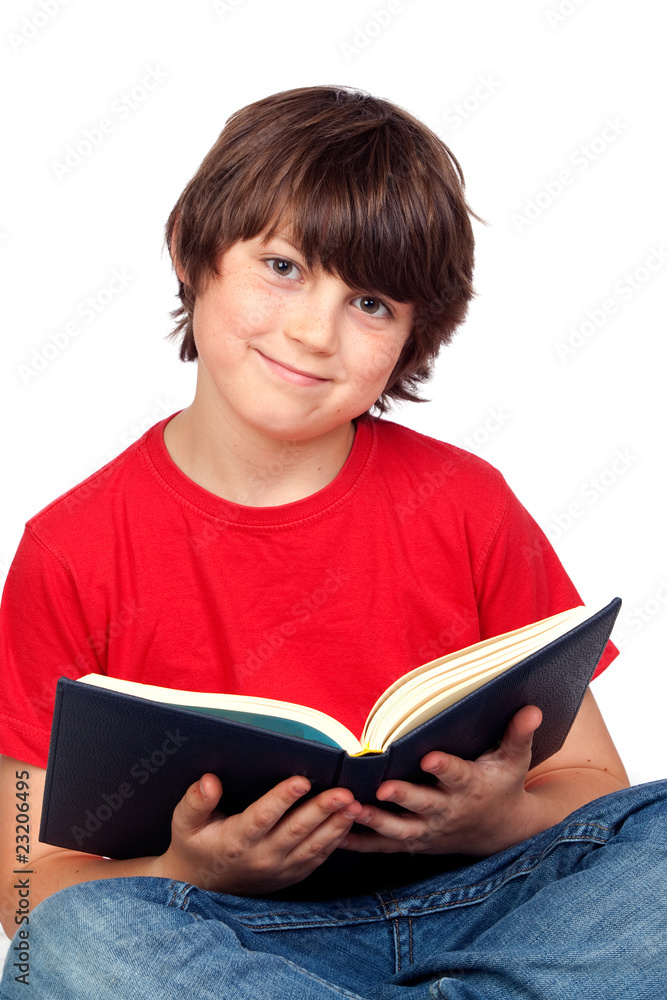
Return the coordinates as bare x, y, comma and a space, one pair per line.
578, 432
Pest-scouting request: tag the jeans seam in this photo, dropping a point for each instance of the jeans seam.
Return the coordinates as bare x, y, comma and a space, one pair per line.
491, 885
486, 888
324, 982
297, 925
392, 906
176, 890
397, 945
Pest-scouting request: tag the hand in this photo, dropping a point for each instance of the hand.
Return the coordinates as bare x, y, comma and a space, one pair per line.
261, 849
477, 807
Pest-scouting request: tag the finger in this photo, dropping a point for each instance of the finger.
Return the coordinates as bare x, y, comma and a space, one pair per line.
453, 773
396, 826
263, 814
523, 725
517, 741
374, 843
330, 813
311, 848
196, 806
406, 794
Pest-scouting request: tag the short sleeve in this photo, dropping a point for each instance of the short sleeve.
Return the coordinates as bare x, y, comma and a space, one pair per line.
43, 636
520, 578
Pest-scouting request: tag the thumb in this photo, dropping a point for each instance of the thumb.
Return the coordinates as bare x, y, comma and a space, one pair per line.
518, 739
198, 802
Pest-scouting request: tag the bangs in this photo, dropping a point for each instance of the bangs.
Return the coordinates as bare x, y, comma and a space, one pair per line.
354, 222
368, 207
359, 186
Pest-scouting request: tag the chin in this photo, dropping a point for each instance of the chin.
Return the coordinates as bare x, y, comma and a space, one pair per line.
295, 429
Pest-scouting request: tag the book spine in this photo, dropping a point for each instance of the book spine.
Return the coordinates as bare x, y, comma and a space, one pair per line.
362, 775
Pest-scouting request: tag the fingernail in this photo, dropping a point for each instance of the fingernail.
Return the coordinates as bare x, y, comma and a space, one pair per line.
344, 843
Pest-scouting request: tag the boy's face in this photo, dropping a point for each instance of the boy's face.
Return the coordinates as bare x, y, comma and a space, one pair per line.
291, 353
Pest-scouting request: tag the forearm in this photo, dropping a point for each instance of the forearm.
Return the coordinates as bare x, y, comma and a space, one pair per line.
547, 799
553, 795
60, 869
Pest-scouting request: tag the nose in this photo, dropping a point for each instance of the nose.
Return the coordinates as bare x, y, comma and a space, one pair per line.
315, 322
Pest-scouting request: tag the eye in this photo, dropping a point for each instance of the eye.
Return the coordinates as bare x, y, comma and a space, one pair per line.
370, 306
282, 267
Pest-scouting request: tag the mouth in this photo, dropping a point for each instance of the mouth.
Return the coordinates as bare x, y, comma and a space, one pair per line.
293, 375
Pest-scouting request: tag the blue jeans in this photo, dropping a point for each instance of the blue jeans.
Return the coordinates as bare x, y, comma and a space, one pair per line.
578, 912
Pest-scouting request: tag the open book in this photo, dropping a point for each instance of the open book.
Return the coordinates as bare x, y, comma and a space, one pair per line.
123, 753
414, 698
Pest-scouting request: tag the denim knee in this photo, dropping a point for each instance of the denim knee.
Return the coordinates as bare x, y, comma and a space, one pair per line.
77, 938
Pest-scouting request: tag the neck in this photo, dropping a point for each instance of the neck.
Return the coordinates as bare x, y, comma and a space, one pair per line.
246, 467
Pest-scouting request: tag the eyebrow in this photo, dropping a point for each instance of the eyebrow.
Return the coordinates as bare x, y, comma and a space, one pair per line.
283, 239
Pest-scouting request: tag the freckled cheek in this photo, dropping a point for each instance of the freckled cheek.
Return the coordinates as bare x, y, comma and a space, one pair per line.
380, 361
254, 316
233, 320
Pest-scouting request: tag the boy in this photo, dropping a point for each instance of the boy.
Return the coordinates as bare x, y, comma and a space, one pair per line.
272, 538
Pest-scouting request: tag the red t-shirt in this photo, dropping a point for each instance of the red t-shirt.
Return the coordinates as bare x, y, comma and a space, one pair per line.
415, 549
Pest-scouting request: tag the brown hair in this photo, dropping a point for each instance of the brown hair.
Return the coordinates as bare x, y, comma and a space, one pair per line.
369, 193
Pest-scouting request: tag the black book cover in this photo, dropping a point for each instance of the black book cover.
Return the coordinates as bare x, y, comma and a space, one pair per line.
118, 765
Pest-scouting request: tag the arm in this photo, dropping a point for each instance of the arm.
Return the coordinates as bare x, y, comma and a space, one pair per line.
481, 807
257, 851
51, 868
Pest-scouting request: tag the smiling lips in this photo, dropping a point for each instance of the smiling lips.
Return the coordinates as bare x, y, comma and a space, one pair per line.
292, 375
